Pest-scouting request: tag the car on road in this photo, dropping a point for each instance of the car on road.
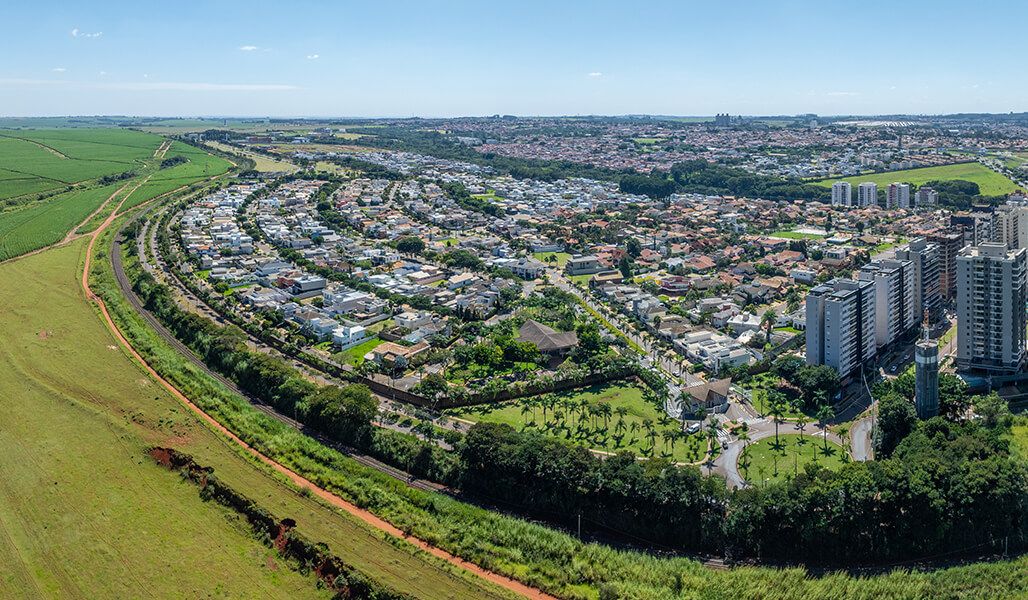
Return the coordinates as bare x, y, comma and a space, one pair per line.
693, 428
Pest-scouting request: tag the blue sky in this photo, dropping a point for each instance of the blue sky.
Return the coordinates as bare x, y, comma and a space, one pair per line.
448, 58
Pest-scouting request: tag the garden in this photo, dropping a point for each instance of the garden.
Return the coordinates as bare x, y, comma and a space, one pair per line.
772, 459
609, 418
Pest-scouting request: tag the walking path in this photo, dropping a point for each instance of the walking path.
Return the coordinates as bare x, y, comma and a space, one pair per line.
297, 479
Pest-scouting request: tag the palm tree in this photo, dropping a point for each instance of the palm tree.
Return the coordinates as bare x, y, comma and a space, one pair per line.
768, 322
713, 428
525, 409
776, 400
605, 412
650, 432
825, 414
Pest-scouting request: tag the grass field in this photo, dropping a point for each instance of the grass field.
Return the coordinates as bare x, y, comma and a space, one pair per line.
797, 235
43, 223
629, 435
262, 163
82, 512
33, 161
771, 462
562, 257
355, 356
990, 182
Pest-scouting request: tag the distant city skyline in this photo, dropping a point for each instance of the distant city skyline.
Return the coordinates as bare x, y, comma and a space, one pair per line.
460, 58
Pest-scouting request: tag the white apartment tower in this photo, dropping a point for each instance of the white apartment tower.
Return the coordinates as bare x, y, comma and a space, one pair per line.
841, 325
895, 304
867, 194
1011, 225
991, 308
842, 194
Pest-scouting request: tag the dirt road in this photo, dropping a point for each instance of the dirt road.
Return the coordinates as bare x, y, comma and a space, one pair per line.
332, 499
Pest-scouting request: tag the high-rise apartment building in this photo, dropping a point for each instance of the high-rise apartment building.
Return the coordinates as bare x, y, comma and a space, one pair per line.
926, 259
841, 325
842, 194
949, 243
1011, 225
897, 195
991, 308
895, 304
867, 194
926, 196
926, 379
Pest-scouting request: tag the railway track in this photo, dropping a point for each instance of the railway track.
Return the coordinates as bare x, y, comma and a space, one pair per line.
126, 288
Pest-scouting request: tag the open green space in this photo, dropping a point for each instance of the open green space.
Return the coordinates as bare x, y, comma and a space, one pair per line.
83, 512
989, 182
766, 460
562, 258
355, 356
198, 167
262, 163
629, 422
797, 235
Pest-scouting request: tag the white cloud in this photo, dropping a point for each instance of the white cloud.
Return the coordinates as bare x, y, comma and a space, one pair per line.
78, 33
595, 75
144, 86
248, 48
841, 94
313, 57
58, 69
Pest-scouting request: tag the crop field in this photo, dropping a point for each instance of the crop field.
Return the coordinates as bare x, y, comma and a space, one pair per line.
990, 182
43, 223
766, 461
615, 434
200, 166
36, 161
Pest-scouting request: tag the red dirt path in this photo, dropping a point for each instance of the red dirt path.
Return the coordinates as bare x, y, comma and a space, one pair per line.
299, 480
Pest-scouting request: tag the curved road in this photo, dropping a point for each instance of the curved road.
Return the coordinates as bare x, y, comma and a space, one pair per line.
297, 479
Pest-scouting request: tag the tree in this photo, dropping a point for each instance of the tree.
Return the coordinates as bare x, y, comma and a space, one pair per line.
625, 266
896, 419
992, 409
768, 321
825, 414
776, 408
633, 247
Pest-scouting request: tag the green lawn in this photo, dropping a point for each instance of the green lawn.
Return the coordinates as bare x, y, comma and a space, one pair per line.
83, 512
796, 235
990, 182
355, 355
771, 462
759, 403
562, 257
564, 421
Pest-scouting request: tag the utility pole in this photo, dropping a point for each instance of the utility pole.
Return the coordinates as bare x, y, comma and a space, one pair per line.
579, 526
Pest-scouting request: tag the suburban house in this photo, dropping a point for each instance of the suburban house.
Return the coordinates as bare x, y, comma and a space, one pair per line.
583, 265
348, 335
712, 395
547, 339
